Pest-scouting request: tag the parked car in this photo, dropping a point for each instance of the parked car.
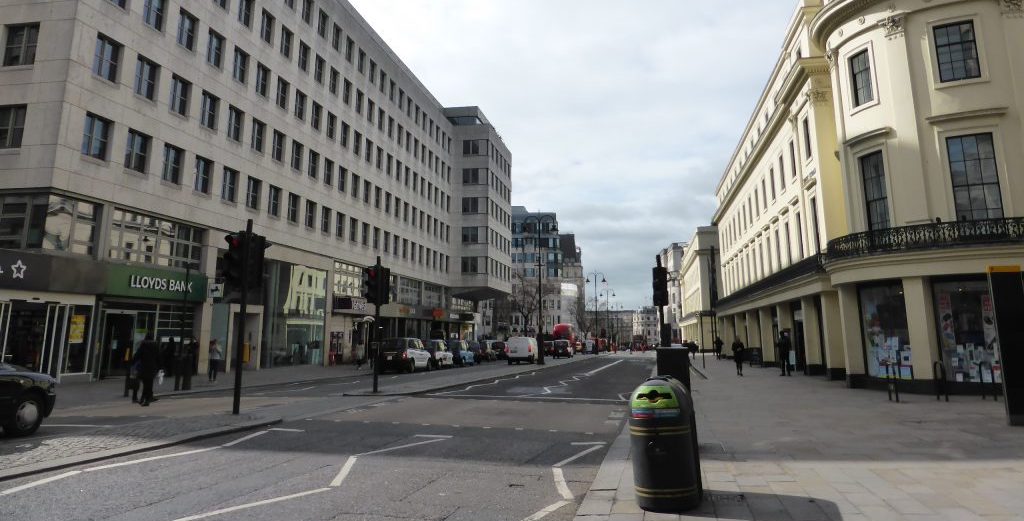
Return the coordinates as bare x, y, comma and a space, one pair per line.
439, 354
549, 348
521, 349
500, 349
483, 353
579, 346
26, 397
460, 351
404, 354
562, 348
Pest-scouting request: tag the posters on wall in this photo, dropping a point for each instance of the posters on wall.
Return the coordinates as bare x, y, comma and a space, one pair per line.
967, 332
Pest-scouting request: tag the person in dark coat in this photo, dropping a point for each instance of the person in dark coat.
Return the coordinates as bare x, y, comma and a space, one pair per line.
718, 347
148, 358
784, 347
737, 355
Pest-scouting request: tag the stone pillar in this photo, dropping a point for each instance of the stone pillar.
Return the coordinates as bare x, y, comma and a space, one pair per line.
751, 335
766, 340
785, 314
853, 342
917, 294
812, 336
832, 329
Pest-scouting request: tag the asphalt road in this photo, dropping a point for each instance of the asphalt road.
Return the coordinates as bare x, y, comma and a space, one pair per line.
523, 447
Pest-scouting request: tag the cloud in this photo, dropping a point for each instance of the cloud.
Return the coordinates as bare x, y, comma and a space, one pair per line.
620, 116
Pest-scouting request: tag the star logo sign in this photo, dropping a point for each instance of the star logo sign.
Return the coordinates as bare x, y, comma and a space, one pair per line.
19, 270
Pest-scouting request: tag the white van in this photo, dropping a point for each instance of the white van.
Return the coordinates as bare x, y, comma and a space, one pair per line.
521, 349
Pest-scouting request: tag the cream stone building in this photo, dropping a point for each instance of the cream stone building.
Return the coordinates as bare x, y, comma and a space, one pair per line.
134, 135
873, 187
698, 273
672, 259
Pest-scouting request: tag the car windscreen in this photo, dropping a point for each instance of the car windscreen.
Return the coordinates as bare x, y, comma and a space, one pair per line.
454, 344
391, 344
561, 343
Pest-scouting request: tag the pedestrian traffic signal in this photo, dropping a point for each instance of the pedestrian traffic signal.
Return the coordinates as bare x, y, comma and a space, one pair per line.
233, 267
660, 285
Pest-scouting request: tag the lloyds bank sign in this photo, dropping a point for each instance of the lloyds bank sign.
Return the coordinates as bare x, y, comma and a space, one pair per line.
150, 283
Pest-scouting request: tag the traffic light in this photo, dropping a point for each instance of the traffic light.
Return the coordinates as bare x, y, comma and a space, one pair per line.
660, 285
384, 283
257, 248
371, 284
234, 262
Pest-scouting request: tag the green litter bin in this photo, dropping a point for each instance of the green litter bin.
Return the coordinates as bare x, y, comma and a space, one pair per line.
666, 464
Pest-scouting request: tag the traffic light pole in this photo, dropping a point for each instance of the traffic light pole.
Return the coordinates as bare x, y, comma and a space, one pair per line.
240, 336
666, 333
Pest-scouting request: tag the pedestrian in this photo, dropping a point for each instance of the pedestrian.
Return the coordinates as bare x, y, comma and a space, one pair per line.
133, 380
718, 347
784, 346
216, 357
737, 355
148, 358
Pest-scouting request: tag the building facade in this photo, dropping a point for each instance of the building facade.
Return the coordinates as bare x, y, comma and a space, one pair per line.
896, 129
698, 277
645, 325
537, 262
134, 135
672, 260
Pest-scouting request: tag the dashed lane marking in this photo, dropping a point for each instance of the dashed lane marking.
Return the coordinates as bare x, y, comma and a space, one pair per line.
40, 482
547, 510
251, 505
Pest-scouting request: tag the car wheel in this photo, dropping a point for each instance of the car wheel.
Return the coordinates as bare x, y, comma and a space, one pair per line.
27, 416
430, 366
509, 362
530, 360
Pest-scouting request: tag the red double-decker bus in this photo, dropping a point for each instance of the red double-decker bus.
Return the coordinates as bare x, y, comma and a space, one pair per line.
564, 332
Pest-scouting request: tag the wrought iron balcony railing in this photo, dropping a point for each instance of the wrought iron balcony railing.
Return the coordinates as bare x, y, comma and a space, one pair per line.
926, 237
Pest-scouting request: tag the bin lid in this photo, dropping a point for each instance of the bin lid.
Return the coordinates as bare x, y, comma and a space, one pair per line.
654, 398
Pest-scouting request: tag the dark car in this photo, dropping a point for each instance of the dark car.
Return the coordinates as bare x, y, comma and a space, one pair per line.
549, 348
26, 398
562, 348
500, 350
458, 349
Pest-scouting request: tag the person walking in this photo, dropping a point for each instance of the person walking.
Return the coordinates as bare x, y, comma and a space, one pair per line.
216, 357
784, 346
718, 347
148, 358
737, 355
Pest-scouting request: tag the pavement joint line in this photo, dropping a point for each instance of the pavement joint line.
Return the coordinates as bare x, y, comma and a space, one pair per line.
534, 397
250, 505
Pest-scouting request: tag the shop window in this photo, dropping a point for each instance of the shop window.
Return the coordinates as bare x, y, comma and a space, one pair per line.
967, 332
295, 305
886, 338
138, 237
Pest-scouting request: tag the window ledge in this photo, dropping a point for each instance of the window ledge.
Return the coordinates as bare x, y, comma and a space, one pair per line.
871, 134
939, 85
26, 67
95, 160
13, 151
966, 114
136, 173
170, 184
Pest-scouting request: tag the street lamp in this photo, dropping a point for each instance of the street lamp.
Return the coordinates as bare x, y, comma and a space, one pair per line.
603, 281
608, 314
538, 221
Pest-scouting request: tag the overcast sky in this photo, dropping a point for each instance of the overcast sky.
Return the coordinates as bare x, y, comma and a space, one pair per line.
620, 114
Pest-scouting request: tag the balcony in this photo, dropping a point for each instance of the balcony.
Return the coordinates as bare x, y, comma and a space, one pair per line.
929, 236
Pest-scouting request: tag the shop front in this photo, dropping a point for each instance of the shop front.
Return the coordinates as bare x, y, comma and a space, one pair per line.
968, 340
349, 329
886, 337
141, 300
47, 311
295, 314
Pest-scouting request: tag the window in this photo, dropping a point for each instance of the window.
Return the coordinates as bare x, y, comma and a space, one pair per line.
321, 24
262, 79
332, 84
792, 158
274, 201
96, 136
215, 49
282, 93
315, 115
179, 95
229, 185
153, 14
346, 92
187, 25
204, 170
807, 138
208, 110
353, 229
332, 125
860, 74
293, 207
972, 164
106, 58
137, 237
267, 27
300, 105
303, 57
136, 151
313, 164
245, 12
344, 134
307, 11
318, 69
957, 51
241, 69
286, 42
146, 73
277, 146
873, 173
349, 47
474, 147
336, 38
259, 131
21, 44
252, 193
339, 225
12, 126
325, 219
173, 157
235, 122
328, 172
297, 153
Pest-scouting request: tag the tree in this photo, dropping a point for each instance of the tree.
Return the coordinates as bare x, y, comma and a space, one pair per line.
523, 299
578, 314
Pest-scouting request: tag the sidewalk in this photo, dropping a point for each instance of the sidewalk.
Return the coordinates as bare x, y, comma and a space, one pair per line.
802, 448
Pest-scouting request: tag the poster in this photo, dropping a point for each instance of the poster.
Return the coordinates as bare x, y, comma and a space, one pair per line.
76, 333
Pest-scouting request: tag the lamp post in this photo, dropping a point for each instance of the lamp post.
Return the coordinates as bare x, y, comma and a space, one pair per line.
608, 292
603, 281
538, 221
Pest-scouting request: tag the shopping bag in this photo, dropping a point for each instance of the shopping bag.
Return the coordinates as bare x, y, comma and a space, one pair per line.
160, 377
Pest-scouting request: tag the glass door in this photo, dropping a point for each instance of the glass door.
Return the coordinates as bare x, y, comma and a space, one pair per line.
54, 337
118, 344
5, 321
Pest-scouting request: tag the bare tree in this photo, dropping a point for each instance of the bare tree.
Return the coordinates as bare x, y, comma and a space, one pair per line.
579, 315
523, 299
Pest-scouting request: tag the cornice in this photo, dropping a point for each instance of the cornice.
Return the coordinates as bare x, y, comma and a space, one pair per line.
835, 14
968, 114
803, 69
860, 138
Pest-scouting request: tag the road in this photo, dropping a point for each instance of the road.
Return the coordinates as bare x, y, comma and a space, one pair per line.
519, 447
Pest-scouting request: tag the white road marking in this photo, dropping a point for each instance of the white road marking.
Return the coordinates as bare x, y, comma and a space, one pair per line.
547, 510
532, 397
623, 398
479, 385
298, 390
561, 485
599, 369
74, 425
250, 505
442, 436
576, 457
286, 430
152, 458
389, 449
343, 473
40, 482
244, 438
587, 442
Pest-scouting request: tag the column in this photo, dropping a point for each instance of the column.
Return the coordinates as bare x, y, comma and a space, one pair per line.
812, 336
853, 343
766, 341
832, 331
785, 314
917, 294
751, 335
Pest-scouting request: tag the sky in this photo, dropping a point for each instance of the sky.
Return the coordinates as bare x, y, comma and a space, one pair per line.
620, 115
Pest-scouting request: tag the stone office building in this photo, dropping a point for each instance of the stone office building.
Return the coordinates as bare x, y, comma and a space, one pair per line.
134, 135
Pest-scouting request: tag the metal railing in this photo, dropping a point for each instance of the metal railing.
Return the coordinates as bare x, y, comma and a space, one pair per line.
927, 236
